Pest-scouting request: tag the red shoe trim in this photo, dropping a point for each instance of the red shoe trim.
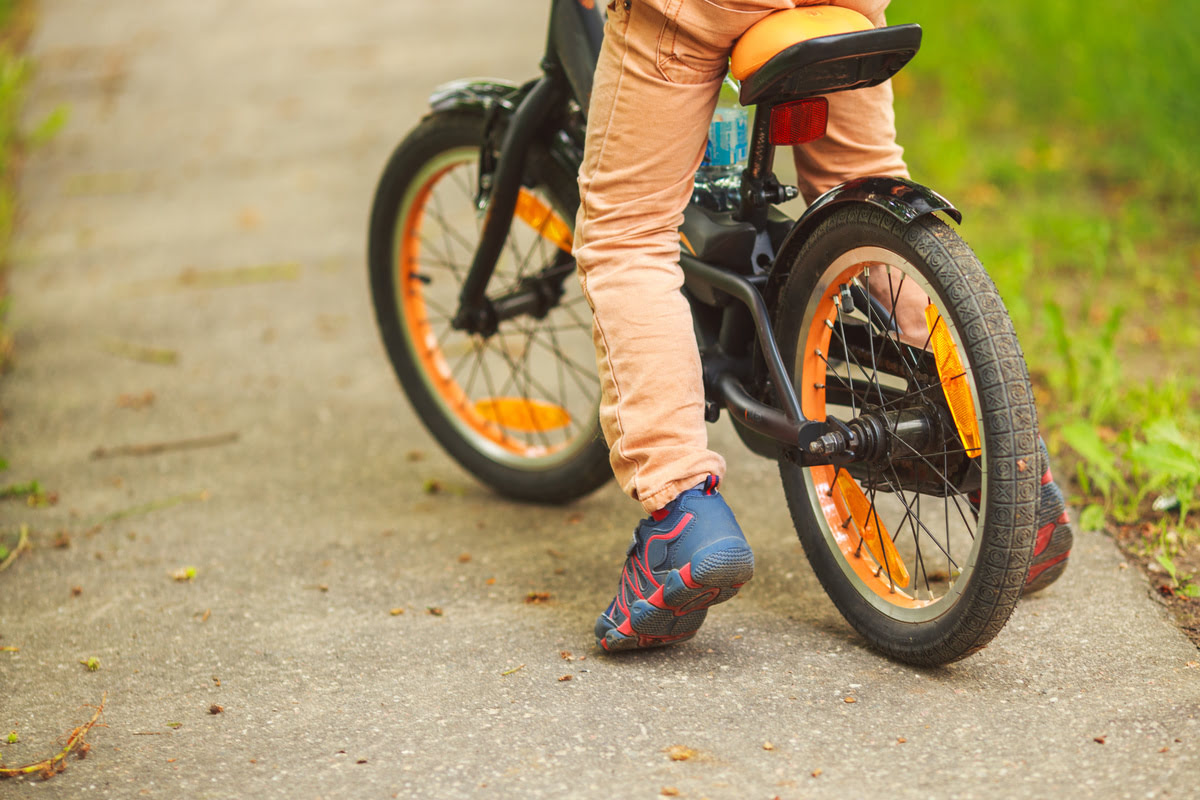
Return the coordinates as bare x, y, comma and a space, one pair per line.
679, 526
1047, 478
1040, 568
686, 574
625, 628
656, 599
1043, 537
660, 515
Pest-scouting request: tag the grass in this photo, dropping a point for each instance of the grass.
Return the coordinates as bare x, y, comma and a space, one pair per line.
16, 22
1067, 133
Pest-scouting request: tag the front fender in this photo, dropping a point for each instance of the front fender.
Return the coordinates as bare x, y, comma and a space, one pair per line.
483, 95
473, 94
903, 199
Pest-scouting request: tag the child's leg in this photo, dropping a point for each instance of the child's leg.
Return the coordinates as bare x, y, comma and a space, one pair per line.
655, 90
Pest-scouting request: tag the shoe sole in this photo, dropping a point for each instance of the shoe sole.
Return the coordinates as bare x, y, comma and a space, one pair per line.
679, 607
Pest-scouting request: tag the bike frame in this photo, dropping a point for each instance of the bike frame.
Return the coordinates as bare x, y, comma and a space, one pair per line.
540, 108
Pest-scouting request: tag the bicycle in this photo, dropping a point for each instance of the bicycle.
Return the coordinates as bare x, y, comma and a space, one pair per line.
907, 457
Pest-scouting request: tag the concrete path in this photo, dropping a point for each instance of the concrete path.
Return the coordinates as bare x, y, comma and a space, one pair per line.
212, 137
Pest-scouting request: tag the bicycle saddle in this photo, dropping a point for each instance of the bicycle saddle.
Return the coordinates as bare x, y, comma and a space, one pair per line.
815, 50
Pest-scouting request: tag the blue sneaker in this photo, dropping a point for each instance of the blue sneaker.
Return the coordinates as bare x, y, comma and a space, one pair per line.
1054, 537
683, 559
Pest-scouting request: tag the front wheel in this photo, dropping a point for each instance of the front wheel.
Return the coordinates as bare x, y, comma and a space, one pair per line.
517, 408
923, 540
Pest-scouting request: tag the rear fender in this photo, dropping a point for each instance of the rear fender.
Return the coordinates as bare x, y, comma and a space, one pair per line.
903, 199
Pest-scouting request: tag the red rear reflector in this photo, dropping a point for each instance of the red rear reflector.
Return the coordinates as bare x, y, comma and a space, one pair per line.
799, 121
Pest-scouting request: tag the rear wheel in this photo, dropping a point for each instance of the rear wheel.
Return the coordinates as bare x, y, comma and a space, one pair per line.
517, 408
923, 541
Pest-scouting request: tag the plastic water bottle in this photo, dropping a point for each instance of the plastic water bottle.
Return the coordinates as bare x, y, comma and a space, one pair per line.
719, 179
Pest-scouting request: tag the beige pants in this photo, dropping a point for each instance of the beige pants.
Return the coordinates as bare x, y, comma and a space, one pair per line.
655, 90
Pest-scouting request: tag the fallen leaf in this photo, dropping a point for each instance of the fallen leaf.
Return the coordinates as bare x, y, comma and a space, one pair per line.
1099, 739
76, 591
565, 655
1193, 664
1163, 749
215, 709
395, 612
183, 574
816, 773
432, 486
537, 597
564, 678
175, 725
62, 540
92, 663
669, 791
901, 740
361, 761
511, 671
678, 752
463, 558
768, 746
136, 401
434, 610
849, 700
490, 581
249, 219
574, 519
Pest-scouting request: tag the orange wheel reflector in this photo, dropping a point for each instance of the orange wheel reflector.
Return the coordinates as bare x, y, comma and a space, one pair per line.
523, 414
539, 216
954, 382
871, 529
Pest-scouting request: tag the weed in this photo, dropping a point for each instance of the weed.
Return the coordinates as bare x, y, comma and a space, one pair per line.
1181, 583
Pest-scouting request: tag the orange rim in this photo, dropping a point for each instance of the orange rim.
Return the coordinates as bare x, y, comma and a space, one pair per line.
833, 502
489, 418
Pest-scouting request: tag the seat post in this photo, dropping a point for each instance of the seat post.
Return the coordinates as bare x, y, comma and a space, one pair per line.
760, 187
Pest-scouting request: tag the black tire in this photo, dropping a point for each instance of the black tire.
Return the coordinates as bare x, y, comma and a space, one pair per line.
964, 524
518, 409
